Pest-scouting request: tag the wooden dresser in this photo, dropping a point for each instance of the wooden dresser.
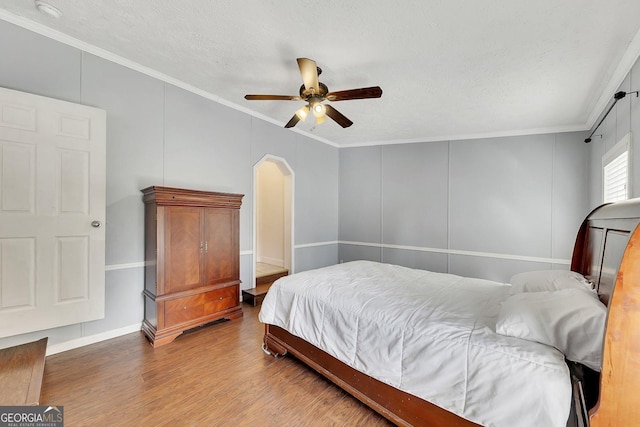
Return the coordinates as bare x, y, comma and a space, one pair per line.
192, 265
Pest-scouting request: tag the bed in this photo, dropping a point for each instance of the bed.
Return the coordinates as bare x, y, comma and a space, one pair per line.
410, 383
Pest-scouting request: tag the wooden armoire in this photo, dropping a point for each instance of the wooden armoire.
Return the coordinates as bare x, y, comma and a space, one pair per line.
192, 271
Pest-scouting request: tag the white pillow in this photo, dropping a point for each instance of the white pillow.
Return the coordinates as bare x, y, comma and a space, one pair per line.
548, 280
571, 320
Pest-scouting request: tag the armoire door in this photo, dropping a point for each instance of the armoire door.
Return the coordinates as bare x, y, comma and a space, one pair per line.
221, 245
183, 248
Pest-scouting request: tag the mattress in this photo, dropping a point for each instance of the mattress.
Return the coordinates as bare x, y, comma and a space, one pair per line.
428, 334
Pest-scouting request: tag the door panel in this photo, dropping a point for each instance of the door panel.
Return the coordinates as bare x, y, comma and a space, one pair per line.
221, 254
74, 181
71, 269
17, 282
183, 264
18, 177
52, 179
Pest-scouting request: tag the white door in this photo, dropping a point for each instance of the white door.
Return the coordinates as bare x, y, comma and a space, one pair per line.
52, 187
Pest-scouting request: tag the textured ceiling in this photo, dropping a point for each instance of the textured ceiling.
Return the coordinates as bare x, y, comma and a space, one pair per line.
449, 69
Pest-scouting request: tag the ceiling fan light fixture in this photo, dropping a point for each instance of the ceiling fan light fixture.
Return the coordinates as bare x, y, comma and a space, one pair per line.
320, 120
319, 110
303, 112
314, 93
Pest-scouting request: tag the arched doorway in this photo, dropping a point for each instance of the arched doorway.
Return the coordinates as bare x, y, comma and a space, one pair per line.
273, 253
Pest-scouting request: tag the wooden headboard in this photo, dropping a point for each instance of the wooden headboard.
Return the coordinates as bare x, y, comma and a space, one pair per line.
607, 252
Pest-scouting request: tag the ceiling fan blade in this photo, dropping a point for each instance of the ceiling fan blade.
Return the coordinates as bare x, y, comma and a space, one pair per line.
309, 72
294, 121
362, 93
338, 117
272, 98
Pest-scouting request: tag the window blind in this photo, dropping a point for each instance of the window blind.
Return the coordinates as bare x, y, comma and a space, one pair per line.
615, 172
615, 178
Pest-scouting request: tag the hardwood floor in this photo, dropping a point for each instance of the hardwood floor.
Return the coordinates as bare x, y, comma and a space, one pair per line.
214, 376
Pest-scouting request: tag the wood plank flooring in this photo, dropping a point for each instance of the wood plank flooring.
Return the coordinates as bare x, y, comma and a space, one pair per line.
214, 376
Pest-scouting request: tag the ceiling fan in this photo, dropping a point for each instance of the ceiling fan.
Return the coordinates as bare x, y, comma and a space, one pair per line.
314, 93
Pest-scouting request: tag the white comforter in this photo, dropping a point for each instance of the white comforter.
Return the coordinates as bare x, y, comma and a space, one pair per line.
429, 334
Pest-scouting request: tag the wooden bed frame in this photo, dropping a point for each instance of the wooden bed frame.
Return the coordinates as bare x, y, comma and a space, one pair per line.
607, 252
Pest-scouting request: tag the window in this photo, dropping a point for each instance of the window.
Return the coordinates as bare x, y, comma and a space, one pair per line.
615, 171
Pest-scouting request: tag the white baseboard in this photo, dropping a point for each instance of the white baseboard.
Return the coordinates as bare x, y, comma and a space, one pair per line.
92, 339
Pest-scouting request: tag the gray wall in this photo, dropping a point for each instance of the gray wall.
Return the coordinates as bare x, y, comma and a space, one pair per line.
159, 134
484, 208
623, 118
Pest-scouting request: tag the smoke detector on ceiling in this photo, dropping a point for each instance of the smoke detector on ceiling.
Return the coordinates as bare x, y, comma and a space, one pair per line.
48, 9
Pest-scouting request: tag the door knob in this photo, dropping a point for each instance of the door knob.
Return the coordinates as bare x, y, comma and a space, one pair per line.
96, 224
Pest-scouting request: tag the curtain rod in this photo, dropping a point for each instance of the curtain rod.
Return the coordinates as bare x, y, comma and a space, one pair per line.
616, 97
